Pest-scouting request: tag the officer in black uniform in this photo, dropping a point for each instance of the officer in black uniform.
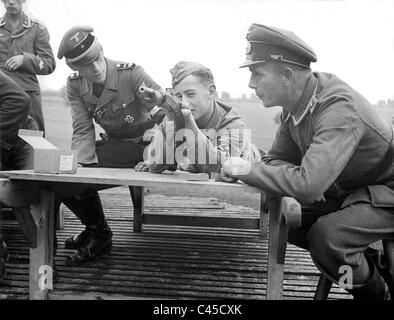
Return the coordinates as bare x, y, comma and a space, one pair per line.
15, 154
106, 92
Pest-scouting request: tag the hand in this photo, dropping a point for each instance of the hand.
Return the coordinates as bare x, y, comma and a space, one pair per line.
227, 179
235, 167
141, 167
159, 116
190, 122
158, 168
14, 63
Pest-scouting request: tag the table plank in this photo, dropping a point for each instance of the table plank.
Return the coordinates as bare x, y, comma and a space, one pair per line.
129, 177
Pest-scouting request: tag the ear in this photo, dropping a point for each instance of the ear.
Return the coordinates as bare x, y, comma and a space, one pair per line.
212, 91
288, 76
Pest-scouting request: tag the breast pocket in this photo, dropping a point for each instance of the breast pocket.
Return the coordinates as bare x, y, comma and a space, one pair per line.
115, 116
28, 45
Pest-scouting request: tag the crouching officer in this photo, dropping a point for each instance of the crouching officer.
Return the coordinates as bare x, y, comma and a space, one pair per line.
106, 92
332, 152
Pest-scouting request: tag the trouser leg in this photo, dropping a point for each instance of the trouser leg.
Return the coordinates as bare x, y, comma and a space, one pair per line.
338, 241
87, 207
22, 156
3, 257
310, 215
36, 110
19, 157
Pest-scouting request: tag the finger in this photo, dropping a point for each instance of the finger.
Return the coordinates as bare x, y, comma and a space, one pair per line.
7, 65
166, 108
139, 167
227, 178
187, 113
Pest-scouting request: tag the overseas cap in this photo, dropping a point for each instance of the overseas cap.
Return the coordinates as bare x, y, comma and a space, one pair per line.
79, 46
269, 43
184, 69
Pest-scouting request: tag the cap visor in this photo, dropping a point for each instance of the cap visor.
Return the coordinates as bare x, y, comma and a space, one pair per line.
249, 63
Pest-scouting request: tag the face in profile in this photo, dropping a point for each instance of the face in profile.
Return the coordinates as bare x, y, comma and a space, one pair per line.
195, 94
268, 84
13, 7
95, 71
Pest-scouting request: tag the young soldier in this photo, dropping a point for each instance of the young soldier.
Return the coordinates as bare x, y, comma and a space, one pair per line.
213, 131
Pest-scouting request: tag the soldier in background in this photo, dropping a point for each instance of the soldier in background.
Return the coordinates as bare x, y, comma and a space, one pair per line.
332, 152
25, 52
15, 154
106, 92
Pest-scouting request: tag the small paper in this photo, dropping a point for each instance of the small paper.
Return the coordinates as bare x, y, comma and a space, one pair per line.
66, 162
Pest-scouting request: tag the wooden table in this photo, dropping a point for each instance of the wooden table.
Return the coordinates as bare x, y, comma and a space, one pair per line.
20, 189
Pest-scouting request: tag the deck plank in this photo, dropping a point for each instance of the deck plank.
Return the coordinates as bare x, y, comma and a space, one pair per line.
165, 262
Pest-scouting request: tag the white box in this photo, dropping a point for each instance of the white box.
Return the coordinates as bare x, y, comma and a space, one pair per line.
48, 158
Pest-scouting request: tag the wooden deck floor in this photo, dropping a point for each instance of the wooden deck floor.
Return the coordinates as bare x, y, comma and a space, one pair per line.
164, 262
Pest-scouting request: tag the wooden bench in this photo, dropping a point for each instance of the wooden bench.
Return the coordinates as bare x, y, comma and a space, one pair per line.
24, 188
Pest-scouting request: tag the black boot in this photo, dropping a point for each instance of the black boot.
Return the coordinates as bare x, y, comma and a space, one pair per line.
380, 261
98, 243
375, 288
4, 257
89, 210
78, 241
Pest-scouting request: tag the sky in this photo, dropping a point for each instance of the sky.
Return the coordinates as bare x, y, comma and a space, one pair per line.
353, 39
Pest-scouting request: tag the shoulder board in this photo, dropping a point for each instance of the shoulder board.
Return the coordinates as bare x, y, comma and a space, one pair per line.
2, 22
39, 23
74, 75
125, 66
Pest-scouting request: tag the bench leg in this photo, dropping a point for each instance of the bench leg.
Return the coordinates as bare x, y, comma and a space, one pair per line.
137, 195
276, 252
27, 225
323, 288
60, 217
41, 258
264, 217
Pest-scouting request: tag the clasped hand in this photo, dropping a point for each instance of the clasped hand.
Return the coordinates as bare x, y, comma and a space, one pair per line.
14, 63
